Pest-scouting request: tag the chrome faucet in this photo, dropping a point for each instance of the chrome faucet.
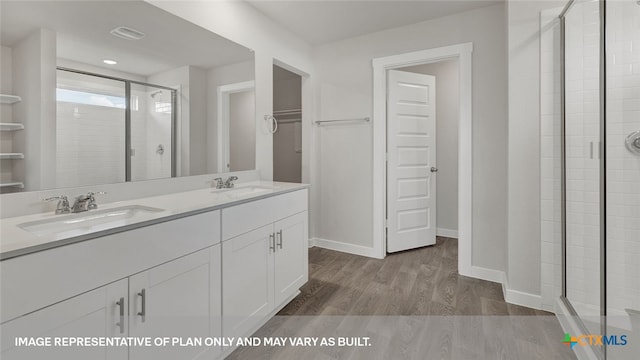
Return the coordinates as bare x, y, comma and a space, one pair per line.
63, 204
229, 182
86, 202
224, 184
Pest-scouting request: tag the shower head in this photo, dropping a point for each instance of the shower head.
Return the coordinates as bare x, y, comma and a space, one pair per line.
153, 94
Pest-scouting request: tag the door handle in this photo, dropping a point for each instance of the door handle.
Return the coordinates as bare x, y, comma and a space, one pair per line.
434, 169
121, 322
272, 242
280, 239
143, 310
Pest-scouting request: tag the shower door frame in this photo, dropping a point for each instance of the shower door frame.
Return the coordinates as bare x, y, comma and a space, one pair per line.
127, 116
601, 352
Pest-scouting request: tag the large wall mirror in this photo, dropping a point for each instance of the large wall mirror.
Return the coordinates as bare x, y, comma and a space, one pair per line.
100, 92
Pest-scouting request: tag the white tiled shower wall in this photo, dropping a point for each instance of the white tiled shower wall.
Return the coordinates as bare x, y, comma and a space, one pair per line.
623, 167
582, 140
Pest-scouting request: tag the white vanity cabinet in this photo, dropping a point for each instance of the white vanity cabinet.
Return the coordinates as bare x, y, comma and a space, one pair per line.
265, 261
97, 313
207, 274
178, 299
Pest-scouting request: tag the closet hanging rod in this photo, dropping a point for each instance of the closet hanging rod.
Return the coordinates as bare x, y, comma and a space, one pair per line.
320, 122
289, 121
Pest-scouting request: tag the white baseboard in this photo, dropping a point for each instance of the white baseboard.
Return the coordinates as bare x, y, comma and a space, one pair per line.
312, 242
345, 247
511, 296
487, 274
447, 233
522, 298
519, 297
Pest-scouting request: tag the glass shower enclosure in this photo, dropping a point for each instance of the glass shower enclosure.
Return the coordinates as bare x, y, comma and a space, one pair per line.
111, 130
600, 50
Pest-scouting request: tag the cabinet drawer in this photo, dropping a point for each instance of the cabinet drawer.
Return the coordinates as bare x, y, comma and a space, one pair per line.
33, 281
243, 218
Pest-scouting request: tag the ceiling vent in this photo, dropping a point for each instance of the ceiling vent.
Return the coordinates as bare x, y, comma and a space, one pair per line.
127, 33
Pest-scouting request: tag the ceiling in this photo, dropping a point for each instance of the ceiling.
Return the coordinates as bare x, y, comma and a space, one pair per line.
83, 34
321, 22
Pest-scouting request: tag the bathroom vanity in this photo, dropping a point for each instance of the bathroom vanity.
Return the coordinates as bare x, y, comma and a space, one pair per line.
201, 264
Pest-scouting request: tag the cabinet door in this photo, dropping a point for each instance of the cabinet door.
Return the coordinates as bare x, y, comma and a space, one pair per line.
247, 280
174, 300
93, 314
291, 256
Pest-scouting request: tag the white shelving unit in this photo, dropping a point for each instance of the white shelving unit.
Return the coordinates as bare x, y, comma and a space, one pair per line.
9, 99
6, 99
11, 126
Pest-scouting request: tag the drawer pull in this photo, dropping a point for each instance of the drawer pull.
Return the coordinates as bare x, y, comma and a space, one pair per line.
272, 242
280, 239
121, 322
143, 311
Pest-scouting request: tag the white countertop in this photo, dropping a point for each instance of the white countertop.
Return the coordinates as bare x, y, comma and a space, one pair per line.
15, 241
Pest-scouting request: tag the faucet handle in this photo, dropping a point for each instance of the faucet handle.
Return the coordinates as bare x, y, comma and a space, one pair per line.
63, 204
59, 197
92, 200
218, 182
229, 182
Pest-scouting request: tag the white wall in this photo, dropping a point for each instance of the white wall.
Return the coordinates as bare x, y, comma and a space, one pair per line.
243, 24
198, 120
34, 79
344, 90
218, 76
447, 118
242, 131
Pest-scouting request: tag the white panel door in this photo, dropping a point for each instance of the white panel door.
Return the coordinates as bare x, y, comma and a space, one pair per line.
291, 256
173, 300
92, 314
411, 147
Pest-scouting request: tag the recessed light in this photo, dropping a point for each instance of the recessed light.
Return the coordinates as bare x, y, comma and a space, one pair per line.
109, 62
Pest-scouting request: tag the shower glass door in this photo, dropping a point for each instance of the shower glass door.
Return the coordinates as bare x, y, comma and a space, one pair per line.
582, 162
152, 125
90, 130
623, 176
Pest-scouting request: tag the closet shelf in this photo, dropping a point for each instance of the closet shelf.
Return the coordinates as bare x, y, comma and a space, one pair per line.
287, 112
11, 156
9, 99
16, 184
11, 126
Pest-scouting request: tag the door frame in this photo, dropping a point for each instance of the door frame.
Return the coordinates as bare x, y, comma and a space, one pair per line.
463, 52
223, 92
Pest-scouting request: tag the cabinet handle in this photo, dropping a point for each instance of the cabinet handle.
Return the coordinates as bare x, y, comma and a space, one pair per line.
272, 242
121, 323
280, 239
143, 312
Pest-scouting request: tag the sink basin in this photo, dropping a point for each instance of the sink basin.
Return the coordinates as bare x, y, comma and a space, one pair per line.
86, 222
243, 191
